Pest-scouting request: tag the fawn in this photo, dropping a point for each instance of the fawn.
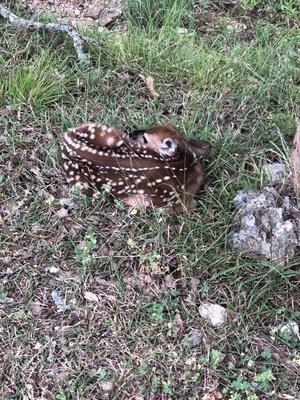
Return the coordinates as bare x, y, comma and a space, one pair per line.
155, 167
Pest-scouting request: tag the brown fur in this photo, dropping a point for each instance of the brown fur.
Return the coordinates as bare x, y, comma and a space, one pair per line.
162, 172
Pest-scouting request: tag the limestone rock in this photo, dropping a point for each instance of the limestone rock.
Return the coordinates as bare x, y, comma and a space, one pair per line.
266, 226
291, 328
93, 11
109, 15
276, 173
214, 314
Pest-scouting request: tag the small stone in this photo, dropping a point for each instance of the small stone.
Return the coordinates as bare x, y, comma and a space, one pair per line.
53, 270
182, 31
67, 202
62, 213
38, 346
35, 307
106, 386
93, 12
195, 338
291, 328
59, 301
89, 296
275, 173
214, 314
236, 26
190, 361
109, 15
77, 12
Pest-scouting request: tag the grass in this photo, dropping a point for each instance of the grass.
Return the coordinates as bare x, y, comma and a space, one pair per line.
37, 83
231, 78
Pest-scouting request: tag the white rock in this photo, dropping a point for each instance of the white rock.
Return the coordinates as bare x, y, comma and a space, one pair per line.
106, 386
266, 225
67, 202
109, 15
59, 301
194, 338
276, 172
62, 213
89, 296
291, 328
94, 11
53, 270
182, 31
38, 346
214, 314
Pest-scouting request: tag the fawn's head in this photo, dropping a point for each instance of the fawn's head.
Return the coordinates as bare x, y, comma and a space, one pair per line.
167, 141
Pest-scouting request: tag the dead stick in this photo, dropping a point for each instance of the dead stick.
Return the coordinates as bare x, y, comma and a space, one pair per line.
52, 26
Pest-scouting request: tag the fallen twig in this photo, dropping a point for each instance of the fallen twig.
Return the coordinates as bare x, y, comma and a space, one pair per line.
52, 26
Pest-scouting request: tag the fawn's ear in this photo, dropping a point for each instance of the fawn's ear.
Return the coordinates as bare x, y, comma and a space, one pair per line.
200, 147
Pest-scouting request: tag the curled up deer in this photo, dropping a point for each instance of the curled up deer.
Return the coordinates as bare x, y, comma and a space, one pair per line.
155, 167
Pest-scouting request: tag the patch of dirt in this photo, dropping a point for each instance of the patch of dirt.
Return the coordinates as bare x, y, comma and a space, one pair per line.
74, 12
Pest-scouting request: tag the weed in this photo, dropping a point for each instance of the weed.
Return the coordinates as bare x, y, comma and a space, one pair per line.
149, 14
85, 251
37, 84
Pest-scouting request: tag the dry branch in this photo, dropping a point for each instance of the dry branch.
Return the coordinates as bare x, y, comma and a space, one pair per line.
19, 22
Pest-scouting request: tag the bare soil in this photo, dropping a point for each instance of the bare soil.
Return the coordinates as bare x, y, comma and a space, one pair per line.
82, 12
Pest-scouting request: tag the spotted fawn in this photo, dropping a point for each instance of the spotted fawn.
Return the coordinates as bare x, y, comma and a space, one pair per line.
155, 167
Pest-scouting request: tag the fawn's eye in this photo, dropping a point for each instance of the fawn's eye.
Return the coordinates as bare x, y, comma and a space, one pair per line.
145, 140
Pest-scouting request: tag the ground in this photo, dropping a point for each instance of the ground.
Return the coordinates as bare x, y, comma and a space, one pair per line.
97, 301
83, 12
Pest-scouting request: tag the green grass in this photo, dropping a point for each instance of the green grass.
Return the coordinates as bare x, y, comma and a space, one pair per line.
37, 83
236, 87
150, 14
